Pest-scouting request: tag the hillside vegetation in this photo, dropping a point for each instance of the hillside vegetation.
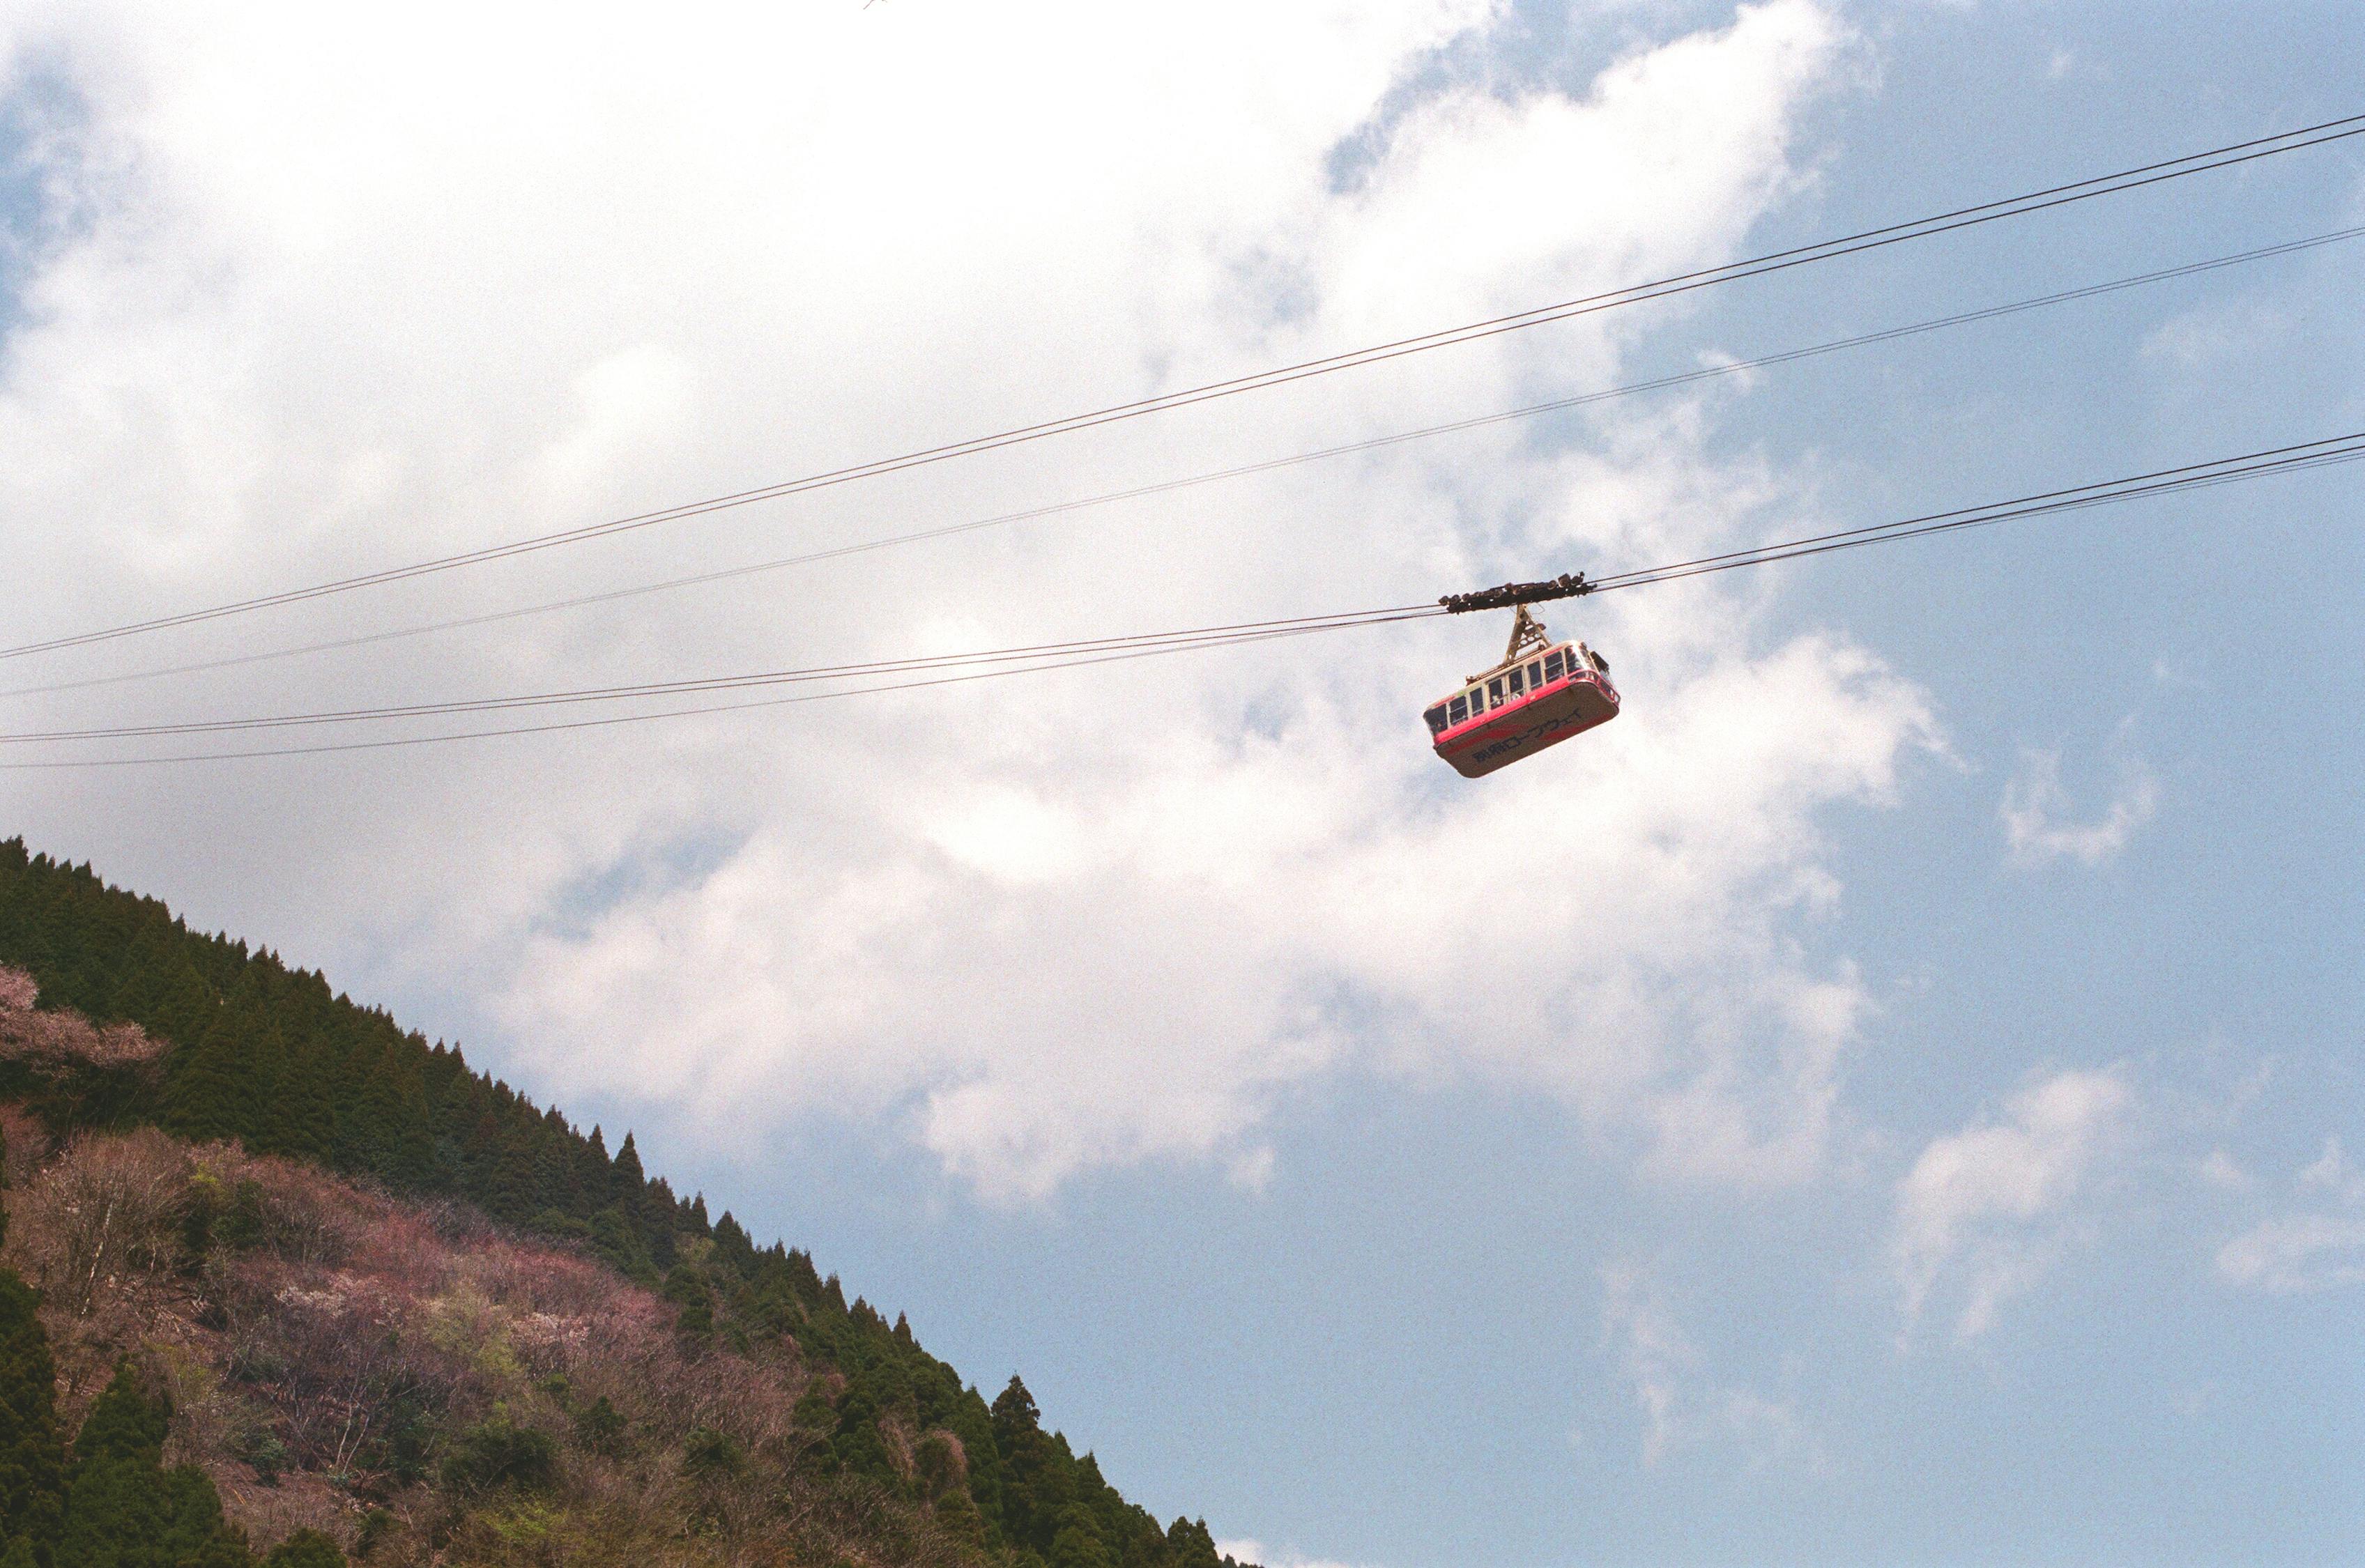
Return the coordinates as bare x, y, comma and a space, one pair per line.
278, 1272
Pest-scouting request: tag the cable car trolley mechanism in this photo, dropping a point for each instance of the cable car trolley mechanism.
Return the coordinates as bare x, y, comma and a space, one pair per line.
1540, 694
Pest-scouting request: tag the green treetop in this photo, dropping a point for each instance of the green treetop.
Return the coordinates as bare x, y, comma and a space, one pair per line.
123, 1508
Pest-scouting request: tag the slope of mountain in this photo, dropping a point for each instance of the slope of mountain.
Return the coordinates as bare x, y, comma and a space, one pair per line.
305, 1279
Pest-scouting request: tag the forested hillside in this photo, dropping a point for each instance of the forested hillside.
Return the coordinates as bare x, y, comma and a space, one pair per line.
300, 1279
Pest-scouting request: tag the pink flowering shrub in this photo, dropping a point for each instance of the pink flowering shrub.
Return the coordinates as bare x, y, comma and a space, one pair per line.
56, 1039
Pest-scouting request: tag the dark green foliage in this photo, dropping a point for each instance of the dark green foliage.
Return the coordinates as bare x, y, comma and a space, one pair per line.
1055, 1504
815, 1413
306, 1549
688, 1290
599, 1428
733, 1241
195, 1533
1078, 1543
266, 1455
497, 1453
199, 1218
385, 1127
115, 1509
212, 1091
710, 1455
124, 1509
405, 1440
241, 1226
1192, 1546
123, 1424
617, 1241
303, 1120
626, 1185
32, 1457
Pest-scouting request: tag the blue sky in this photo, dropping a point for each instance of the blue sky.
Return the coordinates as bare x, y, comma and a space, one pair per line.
2015, 1272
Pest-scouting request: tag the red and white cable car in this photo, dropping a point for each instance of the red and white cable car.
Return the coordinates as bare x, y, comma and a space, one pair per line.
1540, 694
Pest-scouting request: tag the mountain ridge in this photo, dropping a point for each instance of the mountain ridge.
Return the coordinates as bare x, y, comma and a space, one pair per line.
295, 1131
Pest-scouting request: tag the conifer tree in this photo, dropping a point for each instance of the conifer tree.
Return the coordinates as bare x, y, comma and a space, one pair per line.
1193, 1545
264, 1064
688, 1290
625, 1179
658, 1212
593, 1173
123, 1509
732, 1237
210, 1090
618, 1242
515, 1191
556, 1173
304, 1125
356, 1136
116, 1504
1016, 1416
195, 1535
386, 1126
185, 1005
139, 984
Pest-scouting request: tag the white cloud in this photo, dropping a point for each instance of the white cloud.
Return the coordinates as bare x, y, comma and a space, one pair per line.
1655, 1353
2216, 337
2297, 1252
1244, 1550
2332, 1172
2292, 1252
1988, 1208
2035, 806
1681, 1406
2222, 1170
319, 316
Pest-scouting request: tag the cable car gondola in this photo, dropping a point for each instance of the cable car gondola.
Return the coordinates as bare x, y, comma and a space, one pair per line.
1540, 694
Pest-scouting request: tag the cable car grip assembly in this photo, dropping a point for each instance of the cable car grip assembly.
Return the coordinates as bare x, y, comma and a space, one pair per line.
1513, 594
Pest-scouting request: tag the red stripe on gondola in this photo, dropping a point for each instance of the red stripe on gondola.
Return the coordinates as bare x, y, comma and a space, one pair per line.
1506, 734
1452, 736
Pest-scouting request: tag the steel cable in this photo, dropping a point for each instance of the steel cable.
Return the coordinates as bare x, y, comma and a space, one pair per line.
2228, 156
1034, 658
1556, 405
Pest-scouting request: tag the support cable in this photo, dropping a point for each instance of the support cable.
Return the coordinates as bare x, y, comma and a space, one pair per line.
950, 668
2229, 156
2190, 476
1372, 443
